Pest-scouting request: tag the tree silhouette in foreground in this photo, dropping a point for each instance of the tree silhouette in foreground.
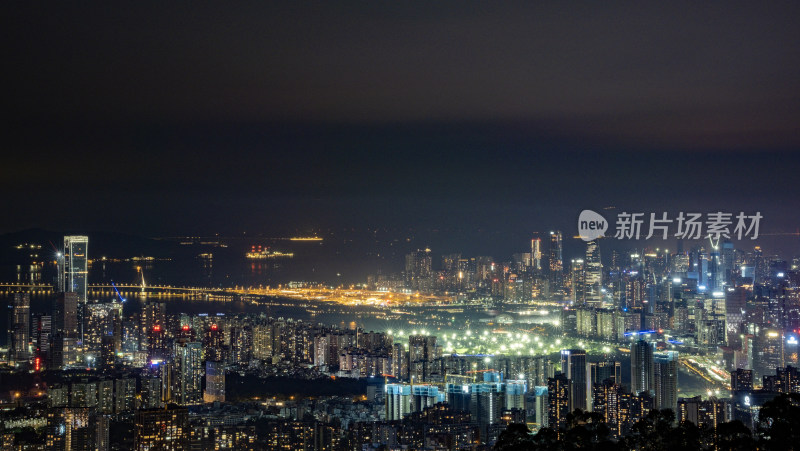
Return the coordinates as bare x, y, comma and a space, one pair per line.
779, 423
585, 430
778, 429
515, 437
656, 431
734, 436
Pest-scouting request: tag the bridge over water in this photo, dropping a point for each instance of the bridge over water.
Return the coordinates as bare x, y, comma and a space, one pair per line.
107, 290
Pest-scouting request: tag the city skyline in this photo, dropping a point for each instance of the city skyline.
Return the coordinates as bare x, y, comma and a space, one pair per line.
366, 226
676, 319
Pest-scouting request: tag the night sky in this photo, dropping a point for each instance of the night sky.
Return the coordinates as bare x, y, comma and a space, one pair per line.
203, 117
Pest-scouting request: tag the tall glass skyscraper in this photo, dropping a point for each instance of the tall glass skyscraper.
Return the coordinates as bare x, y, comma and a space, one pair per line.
190, 371
558, 391
73, 272
20, 326
641, 367
65, 330
594, 274
556, 264
536, 254
665, 366
74, 266
575, 367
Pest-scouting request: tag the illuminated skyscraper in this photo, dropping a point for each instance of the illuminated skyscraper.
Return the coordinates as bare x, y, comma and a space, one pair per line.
450, 268
742, 380
576, 368
65, 334
515, 394
728, 261
486, 403
424, 396
322, 350
768, 351
536, 254
398, 401
459, 396
153, 314
20, 326
69, 429
541, 406
418, 270
215, 382
611, 401
66, 314
190, 371
704, 413
399, 361
214, 343
556, 263
262, 342
157, 349
421, 353
715, 271
73, 271
641, 367
241, 346
558, 391
166, 429
100, 320
107, 356
594, 274
735, 305
759, 264
105, 396
604, 370
577, 281
124, 395
701, 266
74, 266
151, 397
665, 377
42, 331
680, 263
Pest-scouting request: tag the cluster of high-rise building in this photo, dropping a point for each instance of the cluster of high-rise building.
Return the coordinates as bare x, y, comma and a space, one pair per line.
711, 298
542, 395
738, 308
166, 374
55, 340
539, 275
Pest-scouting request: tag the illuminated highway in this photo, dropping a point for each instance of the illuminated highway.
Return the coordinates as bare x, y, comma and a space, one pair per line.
708, 370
